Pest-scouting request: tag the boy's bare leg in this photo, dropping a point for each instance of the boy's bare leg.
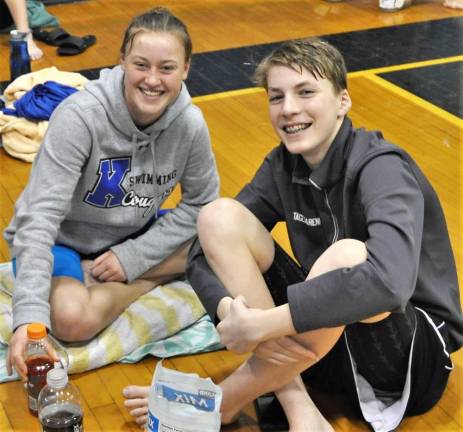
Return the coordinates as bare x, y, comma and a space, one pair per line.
239, 249
79, 311
232, 238
256, 377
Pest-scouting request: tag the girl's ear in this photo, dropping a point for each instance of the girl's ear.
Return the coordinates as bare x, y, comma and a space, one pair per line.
187, 69
122, 61
345, 103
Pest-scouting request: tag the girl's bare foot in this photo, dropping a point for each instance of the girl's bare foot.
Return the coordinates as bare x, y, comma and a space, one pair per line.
34, 51
136, 400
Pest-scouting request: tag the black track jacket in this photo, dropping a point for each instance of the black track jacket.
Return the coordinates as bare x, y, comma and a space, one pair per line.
366, 189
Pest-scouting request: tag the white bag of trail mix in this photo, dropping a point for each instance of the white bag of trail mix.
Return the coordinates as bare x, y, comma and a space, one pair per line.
183, 402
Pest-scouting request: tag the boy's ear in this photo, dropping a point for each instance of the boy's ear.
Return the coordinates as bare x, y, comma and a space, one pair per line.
345, 103
121, 61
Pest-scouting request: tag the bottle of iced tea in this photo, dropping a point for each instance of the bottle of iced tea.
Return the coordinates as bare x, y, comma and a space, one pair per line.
59, 404
38, 363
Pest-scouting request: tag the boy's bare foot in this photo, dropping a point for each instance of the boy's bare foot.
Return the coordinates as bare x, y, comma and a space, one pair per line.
136, 400
453, 4
34, 51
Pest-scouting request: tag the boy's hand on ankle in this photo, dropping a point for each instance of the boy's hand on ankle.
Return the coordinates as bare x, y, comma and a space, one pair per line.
284, 350
239, 331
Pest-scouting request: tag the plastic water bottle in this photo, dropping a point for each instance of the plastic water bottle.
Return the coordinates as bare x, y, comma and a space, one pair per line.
38, 363
59, 404
20, 62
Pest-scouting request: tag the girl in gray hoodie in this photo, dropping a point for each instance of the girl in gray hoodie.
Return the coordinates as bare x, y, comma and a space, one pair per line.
112, 155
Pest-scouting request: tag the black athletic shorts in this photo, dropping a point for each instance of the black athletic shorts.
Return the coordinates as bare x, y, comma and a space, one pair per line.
426, 371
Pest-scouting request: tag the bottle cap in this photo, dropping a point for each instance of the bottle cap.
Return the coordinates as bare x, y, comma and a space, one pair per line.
57, 378
36, 331
16, 35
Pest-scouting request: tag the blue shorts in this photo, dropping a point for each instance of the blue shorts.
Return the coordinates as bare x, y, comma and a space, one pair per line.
66, 262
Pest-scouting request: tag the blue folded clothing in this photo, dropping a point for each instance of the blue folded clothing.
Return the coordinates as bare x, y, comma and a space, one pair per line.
40, 102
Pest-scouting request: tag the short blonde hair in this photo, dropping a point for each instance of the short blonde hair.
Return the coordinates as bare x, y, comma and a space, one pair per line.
315, 55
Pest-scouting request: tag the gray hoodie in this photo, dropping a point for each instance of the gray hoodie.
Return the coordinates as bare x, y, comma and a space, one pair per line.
98, 179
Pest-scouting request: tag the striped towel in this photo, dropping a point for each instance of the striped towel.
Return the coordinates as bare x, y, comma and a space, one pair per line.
169, 320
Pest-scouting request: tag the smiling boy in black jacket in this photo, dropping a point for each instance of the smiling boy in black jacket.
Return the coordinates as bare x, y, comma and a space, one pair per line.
372, 308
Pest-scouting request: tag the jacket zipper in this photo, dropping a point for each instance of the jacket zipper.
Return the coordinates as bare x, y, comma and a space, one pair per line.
333, 217
335, 222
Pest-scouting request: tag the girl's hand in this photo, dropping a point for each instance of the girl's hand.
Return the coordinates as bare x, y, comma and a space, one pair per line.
16, 350
15, 357
107, 268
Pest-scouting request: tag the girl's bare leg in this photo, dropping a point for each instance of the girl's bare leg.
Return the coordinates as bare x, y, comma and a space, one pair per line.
79, 311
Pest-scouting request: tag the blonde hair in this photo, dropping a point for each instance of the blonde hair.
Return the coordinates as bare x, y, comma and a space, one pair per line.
315, 55
158, 19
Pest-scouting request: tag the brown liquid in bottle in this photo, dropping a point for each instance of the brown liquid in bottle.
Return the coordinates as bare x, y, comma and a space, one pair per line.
37, 368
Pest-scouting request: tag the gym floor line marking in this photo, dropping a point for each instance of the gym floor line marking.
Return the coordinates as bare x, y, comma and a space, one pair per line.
451, 118
407, 66
367, 72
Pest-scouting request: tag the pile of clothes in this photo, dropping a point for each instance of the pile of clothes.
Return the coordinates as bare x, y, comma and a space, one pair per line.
29, 102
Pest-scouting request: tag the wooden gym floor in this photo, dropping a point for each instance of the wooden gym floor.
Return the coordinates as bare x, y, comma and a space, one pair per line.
405, 80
